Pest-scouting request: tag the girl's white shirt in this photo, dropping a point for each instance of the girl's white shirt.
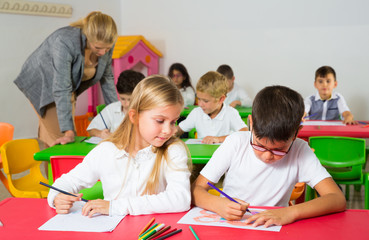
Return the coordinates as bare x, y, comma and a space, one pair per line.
124, 180
188, 95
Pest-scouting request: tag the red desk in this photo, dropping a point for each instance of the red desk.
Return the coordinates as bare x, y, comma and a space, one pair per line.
22, 218
357, 131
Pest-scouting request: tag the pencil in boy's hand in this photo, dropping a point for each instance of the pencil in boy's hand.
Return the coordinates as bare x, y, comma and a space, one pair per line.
224, 194
147, 226
59, 190
103, 120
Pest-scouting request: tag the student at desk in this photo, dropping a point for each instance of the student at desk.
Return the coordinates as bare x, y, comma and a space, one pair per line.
213, 119
142, 166
112, 115
326, 104
263, 165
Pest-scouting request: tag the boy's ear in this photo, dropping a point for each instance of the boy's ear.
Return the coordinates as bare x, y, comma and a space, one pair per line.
132, 115
297, 132
222, 98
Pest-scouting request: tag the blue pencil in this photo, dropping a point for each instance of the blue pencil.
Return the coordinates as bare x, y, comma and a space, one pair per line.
310, 115
224, 194
103, 120
59, 190
364, 123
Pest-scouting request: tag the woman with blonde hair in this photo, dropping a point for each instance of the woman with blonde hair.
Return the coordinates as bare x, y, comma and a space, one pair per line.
143, 168
68, 62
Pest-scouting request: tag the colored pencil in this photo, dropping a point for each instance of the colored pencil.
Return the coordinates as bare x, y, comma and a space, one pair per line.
83, 139
59, 190
159, 233
1, 224
224, 194
366, 126
157, 237
310, 115
152, 232
147, 226
364, 123
194, 234
169, 234
103, 120
143, 234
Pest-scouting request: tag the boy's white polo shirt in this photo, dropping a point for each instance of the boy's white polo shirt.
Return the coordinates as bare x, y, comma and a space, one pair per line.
258, 183
227, 121
113, 117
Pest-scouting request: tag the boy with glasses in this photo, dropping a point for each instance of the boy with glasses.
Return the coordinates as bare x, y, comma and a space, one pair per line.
262, 166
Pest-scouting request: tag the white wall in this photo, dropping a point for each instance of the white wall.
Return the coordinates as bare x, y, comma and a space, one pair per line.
265, 42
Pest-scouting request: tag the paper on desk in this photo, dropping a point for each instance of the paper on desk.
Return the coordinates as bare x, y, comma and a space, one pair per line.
198, 141
94, 140
323, 123
199, 216
76, 222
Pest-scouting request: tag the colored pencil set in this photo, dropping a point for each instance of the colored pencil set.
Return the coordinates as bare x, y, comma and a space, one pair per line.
156, 231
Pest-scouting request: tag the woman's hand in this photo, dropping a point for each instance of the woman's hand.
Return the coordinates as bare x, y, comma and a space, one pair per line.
67, 138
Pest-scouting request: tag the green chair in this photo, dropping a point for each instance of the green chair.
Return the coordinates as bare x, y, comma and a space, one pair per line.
99, 108
192, 133
344, 158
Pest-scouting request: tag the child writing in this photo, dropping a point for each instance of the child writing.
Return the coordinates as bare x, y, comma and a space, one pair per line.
213, 119
142, 167
236, 95
263, 165
326, 104
178, 73
112, 115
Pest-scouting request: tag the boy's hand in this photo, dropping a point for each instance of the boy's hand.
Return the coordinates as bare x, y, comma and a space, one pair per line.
105, 133
348, 118
211, 140
96, 206
63, 203
230, 210
279, 217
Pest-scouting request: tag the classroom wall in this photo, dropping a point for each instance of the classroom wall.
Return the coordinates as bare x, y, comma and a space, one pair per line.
266, 42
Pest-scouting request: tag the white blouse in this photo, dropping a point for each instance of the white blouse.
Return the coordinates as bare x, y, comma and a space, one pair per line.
124, 180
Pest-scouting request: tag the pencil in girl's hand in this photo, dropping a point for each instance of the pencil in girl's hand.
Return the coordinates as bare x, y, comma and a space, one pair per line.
59, 190
147, 226
171, 233
224, 194
103, 120
159, 233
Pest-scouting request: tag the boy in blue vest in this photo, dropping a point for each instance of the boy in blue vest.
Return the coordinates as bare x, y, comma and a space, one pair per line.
326, 104
262, 166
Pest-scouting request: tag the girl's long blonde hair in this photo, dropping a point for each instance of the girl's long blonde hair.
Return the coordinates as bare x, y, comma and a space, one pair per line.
98, 26
152, 92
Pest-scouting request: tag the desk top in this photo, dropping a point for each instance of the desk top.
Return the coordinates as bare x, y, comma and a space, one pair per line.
357, 131
200, 153
22, 221
243, 111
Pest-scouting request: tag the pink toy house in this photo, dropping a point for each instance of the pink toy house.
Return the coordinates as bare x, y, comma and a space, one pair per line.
128, 52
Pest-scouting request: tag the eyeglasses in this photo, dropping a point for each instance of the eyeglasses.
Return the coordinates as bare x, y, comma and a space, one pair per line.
264, 149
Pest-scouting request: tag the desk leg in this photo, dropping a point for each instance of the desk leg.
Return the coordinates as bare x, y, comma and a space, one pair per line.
50, 173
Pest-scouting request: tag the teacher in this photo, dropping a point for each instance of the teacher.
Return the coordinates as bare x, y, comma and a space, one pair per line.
68, 62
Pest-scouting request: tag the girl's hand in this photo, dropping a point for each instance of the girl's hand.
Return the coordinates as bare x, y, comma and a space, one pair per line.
63, 203
96, 206
230, 210
279, 217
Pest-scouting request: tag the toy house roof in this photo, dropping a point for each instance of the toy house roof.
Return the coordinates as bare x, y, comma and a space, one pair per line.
125, 43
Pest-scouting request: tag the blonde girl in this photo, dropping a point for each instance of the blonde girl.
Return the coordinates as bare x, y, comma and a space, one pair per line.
142, 166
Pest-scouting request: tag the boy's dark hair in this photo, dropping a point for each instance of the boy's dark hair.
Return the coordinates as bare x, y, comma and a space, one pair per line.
181, 68
128, 80
226, 70
277, 113
324, 71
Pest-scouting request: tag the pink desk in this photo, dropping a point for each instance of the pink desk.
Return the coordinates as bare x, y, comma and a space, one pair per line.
357, 131
22, 217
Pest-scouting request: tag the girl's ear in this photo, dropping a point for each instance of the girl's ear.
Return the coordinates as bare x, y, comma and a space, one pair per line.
132, 114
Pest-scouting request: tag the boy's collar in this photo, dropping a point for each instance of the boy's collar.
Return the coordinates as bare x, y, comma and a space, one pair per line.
317, 96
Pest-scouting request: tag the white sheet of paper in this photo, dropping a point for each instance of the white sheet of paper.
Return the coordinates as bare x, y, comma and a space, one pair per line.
323, 123
76, 222
94, 140
197, 141
199, 216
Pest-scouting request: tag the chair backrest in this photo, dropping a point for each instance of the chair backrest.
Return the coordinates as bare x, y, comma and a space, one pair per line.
6, 132
344, 157
17, 157
81, 123
99, 108
63, 164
